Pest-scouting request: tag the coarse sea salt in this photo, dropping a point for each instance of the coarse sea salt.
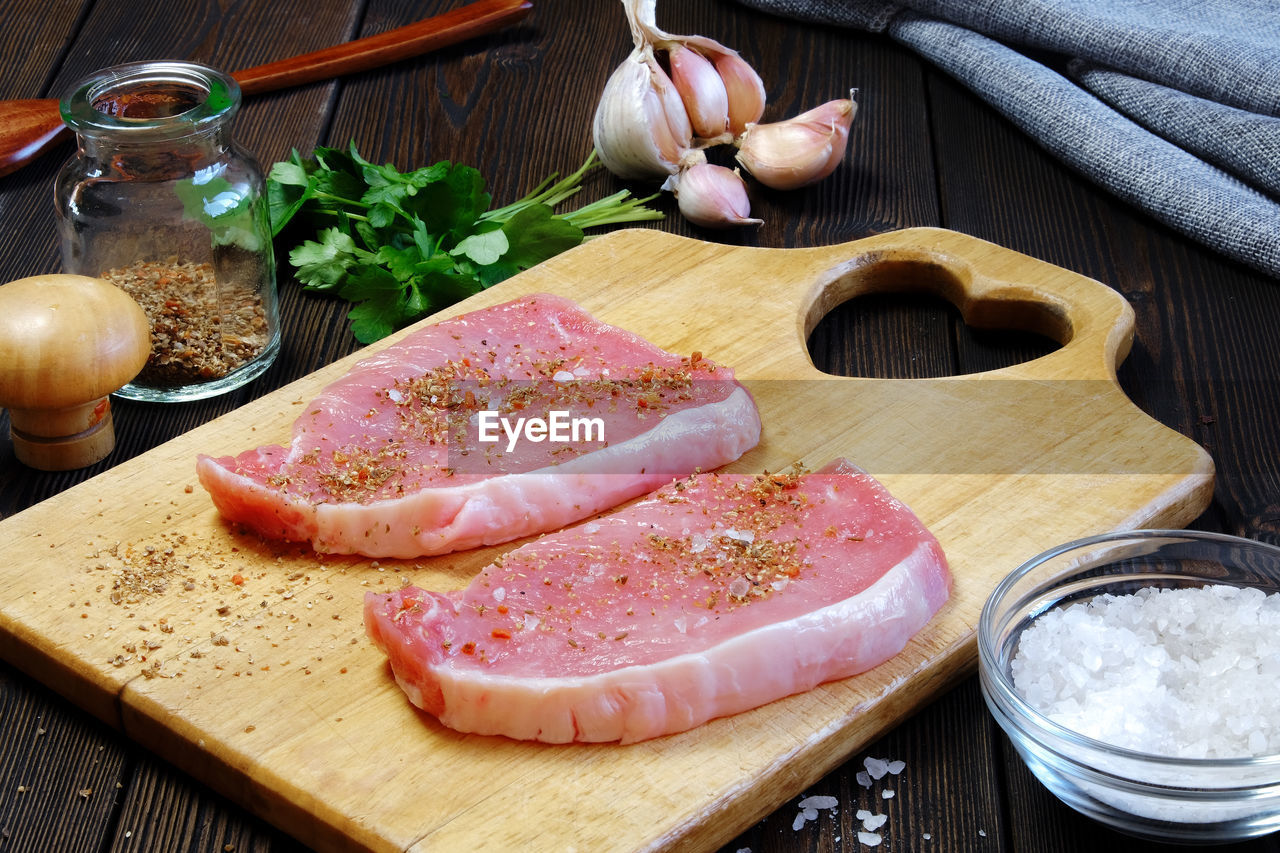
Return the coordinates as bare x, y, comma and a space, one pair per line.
876, 767
1189, 673
819, 802
809, 807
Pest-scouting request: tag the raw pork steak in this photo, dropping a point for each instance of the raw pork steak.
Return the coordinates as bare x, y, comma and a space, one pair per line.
407, 454
716, 594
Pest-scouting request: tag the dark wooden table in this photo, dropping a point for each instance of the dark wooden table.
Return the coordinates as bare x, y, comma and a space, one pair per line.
518, 105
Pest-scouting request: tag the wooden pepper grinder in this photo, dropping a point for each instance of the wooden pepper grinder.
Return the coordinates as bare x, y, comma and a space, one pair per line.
66, 342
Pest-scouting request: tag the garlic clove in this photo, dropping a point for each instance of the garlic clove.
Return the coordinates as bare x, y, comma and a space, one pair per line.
673, 106
702, 90
711, 196
631, 131
744, 87
656, 121
789, 154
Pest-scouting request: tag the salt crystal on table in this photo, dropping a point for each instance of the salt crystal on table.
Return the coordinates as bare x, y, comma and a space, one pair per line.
870, 839
862, 814
897, 766
862, 778
876, 767
819, 802
886, 794
872, 822
798, 823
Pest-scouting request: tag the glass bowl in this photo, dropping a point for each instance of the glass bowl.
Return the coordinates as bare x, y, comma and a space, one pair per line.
1163, 798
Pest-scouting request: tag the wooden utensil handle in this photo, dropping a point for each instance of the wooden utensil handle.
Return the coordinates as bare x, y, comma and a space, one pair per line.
31, 127
474, 19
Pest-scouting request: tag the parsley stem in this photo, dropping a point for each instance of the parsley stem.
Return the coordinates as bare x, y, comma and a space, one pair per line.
346, 213
342, 199
550, 192
619, 207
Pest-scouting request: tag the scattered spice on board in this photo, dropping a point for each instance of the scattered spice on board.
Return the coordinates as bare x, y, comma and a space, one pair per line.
180, 593
201, 328
142, 570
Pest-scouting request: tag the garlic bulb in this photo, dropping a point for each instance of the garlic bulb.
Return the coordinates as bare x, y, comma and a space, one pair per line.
671, 95
788, 154
711, 196
675, 96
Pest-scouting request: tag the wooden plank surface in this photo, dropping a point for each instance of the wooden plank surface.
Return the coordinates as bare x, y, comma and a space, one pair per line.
924, 152
267, 690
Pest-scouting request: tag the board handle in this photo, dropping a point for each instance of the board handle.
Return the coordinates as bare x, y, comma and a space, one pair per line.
993, 287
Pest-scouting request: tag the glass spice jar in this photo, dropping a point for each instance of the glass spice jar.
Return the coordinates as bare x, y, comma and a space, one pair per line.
160, 201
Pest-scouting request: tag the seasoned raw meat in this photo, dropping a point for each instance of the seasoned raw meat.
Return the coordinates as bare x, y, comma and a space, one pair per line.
408, 455
716, 594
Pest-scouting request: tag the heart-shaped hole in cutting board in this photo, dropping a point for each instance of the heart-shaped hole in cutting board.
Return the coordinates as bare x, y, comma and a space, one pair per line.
898, 324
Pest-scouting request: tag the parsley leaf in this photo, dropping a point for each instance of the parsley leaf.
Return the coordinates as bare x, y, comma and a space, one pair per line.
400, 245
324, 265
535, 234
383, 303
484, 247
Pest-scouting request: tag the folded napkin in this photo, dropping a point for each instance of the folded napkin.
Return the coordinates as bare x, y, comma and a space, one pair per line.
1171, 105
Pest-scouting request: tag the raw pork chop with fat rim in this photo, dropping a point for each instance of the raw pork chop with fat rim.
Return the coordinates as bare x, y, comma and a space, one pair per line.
483, 428
714, 595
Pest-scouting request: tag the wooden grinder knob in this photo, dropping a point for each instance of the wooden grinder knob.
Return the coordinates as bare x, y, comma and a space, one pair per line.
66, 342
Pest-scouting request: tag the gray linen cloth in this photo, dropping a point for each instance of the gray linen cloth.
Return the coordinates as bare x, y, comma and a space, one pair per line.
1171, 105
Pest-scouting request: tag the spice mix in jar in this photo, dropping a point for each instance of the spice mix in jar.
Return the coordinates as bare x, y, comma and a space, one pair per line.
160, 201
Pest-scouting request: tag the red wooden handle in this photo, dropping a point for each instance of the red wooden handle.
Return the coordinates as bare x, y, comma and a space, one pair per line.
28, 128
474, 19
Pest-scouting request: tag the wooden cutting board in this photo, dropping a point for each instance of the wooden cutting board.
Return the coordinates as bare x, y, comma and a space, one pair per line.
245, 663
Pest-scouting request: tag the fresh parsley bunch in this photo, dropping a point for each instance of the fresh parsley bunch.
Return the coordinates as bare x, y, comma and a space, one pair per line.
404, 244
